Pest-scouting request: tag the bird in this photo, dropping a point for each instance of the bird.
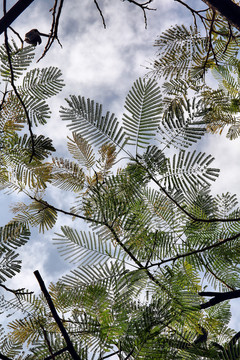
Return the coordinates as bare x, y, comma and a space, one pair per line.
33, 37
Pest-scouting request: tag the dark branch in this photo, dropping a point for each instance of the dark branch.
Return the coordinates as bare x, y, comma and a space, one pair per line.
56, 353
3, 357
16, 292
218, 297
180, 207
198, 251
109, 355
144, 7
18, 35
101, 14
228, 9
13, 14
47, 342
56, 12
56, 317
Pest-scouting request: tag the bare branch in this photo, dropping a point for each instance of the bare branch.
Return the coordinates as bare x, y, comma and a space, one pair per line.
56, 12
13, 13
144, 7
70, 347
3, 357
101, 14
218, 297
18, 35
16, 292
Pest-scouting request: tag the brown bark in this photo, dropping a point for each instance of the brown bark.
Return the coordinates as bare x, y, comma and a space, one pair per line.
228, 9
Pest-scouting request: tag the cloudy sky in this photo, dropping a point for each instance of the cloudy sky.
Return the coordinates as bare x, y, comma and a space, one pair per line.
101, 64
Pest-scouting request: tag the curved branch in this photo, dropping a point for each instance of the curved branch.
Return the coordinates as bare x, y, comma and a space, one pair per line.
218, 297
54, 28
144, 7
180, 207
100, 12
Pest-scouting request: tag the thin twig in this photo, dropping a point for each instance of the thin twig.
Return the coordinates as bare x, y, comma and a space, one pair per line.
47, 341
101, 14
56, 353
16, 292
108, 356
54, 28
3, 98
198, 251
144, 7
180, 207
18, 35
210, 46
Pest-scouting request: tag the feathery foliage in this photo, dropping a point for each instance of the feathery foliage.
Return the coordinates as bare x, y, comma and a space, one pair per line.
156, 244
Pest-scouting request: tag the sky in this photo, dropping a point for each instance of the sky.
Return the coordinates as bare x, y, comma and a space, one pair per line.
101, 64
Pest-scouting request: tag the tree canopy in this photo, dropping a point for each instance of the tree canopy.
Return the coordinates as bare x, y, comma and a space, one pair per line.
157, 263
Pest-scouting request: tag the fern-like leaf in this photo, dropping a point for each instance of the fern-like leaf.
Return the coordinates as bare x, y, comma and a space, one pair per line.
144, 106
190, 170
42, 83
67, 175
87, 119
81, 151
20, 60
85, 248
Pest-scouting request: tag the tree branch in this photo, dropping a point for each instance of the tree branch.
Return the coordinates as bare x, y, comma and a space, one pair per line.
228, 9
13, 14
56, 317
218, 297
54, 28
180, 207
3, 357
101, 14
56, 353
16, 292
144, 7
193, 252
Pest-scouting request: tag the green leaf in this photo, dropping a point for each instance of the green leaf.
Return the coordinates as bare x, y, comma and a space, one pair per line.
81, 150
85, 248
20, 60
42, 83
144, 107
189, 169
87, 120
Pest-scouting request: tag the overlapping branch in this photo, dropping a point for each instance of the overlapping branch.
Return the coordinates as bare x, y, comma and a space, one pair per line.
56, 317
15, 88
218, 297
